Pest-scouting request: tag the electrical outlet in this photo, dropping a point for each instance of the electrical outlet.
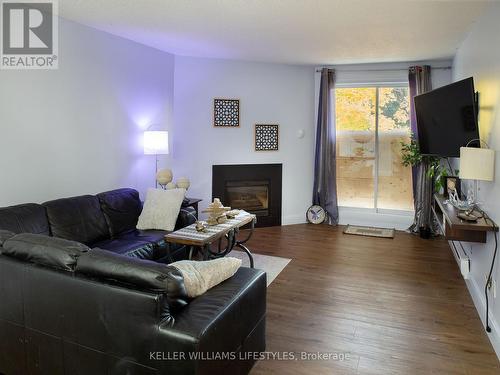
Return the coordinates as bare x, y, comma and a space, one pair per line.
488, 283
492, 285
465, 267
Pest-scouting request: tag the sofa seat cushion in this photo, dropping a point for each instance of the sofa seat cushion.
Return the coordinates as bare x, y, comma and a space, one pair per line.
135, 248
161, 253
143, 244
155, 236
78, 219
25, 218
121, 208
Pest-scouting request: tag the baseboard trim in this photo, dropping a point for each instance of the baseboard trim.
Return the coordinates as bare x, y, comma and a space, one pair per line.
364, 217
293, 219
359, 216
477, 294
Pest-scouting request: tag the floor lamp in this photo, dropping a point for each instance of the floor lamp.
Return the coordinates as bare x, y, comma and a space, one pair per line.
156, 143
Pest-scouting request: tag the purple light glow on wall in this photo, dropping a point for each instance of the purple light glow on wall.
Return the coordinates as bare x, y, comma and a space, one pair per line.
177, 43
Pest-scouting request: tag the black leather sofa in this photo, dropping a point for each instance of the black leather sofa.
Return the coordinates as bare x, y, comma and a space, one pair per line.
68, 309
106, 220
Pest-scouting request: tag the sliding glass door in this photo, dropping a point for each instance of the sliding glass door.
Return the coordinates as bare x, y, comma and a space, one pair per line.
371, 124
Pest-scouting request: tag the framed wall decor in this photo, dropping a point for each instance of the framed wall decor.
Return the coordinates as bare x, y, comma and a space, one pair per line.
266, 137
226, 112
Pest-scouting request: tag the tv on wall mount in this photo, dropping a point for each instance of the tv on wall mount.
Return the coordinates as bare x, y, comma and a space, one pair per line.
447, 119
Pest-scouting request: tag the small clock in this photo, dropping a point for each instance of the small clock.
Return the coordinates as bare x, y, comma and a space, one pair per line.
315, 214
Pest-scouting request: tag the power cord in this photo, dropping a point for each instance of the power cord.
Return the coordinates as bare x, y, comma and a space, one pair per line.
488, 280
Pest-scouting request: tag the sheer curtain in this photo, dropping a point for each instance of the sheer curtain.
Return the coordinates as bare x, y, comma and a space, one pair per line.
325, 181
419, 80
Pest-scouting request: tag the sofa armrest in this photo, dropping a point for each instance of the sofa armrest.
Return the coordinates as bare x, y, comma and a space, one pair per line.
229, 318
187, 216
223, 317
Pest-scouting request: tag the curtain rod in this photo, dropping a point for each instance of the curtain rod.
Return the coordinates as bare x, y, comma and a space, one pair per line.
383, 70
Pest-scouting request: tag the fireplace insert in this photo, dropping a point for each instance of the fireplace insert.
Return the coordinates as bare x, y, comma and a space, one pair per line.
255, 188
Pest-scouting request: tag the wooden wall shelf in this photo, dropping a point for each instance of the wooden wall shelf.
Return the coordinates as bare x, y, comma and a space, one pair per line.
454, 228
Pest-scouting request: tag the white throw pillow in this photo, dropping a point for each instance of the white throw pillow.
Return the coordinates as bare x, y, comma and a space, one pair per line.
161, 209
199, 276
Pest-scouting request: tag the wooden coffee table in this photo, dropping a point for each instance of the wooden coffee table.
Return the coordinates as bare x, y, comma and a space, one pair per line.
189, 236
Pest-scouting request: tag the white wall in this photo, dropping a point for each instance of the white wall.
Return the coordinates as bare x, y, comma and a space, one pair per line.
269, 93
479, 56
78, 129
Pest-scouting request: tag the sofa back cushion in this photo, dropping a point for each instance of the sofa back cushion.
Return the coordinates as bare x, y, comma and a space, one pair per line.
139, 273
121, 208
78, 219
48, 251
24, 218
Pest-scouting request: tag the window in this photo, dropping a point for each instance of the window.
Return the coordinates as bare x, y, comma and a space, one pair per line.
371, 124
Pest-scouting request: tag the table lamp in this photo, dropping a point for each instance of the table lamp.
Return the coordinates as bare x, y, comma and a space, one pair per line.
156, 143
476, 164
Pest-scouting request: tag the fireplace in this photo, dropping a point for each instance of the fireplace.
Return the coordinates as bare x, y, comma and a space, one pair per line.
255, 188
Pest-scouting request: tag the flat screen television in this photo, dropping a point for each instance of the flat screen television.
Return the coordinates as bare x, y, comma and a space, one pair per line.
447, 119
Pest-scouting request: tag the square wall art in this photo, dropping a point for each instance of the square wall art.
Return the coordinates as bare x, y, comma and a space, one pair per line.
266, 137
227, 112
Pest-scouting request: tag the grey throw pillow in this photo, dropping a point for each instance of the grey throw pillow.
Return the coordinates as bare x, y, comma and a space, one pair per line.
161, 209
199, 276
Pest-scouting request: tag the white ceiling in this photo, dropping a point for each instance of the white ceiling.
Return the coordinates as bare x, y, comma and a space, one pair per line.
287, 31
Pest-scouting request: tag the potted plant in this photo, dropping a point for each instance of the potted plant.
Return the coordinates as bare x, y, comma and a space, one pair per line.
435, 171
411, 156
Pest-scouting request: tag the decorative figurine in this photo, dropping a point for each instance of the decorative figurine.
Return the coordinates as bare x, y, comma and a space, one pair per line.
232, 214
217, 212
183, 183
170, 186
164, 177
200, 226
221, 219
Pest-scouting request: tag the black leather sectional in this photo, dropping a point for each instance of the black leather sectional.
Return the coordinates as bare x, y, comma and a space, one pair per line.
106, 220
109, 303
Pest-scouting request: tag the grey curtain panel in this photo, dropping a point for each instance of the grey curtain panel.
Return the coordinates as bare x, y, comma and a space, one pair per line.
325, 180
419, 80
423, 221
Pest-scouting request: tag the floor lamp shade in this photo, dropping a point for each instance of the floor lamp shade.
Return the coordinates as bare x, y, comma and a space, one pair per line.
477, 163
155, 142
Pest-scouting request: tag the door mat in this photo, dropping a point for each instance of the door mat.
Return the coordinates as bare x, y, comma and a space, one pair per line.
369, 231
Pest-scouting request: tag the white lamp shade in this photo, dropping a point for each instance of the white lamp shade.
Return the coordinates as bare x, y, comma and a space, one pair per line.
477, 163
155, 142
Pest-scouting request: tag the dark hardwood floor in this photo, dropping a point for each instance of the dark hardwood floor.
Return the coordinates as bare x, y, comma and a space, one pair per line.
397, 306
